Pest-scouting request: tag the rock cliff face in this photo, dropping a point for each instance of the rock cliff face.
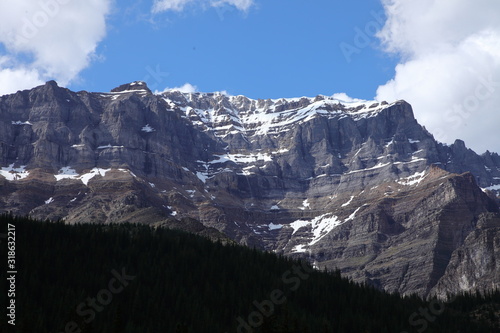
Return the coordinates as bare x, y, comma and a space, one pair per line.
358, 186
475, 264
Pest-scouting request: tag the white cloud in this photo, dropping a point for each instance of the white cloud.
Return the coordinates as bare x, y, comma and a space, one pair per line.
185, 88
48, 39
242, 5
345, 98
12, 80
174, 5
189, 88
180, 5
450, 67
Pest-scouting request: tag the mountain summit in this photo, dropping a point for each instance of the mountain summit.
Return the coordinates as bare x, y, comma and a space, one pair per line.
358, 186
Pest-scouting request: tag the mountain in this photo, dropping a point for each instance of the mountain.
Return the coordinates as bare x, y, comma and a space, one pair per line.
359, 186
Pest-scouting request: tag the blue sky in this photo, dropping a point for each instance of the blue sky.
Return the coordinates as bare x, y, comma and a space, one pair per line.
269, 51
443, 57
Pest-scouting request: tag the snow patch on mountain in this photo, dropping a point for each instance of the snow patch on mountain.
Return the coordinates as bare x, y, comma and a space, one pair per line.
322, 225
353, 215
12, 173
109, 146
241, 158
301, 248
20, 123
66, 173
348, 202
319, 226
493, 188
225, 115
147, 128
296, 225
273, 226
414, 179
305, 205
85, 178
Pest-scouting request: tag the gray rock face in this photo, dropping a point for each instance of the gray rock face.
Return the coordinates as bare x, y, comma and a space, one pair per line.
475, 264
360, 186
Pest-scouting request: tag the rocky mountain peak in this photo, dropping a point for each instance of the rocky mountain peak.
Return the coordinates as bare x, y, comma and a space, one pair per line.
133, 86
52, 84
50, 90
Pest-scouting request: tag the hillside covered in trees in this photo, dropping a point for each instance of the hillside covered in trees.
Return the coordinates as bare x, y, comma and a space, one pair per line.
134, 279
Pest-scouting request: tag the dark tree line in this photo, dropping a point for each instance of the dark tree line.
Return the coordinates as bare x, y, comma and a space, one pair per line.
177, 282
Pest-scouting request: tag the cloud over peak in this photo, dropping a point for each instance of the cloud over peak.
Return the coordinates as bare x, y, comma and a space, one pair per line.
185, 88
450, 67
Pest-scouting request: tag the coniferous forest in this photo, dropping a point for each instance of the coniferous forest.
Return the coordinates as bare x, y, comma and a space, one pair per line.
135, 279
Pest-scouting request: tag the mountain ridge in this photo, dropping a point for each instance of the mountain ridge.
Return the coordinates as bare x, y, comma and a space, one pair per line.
344, 184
